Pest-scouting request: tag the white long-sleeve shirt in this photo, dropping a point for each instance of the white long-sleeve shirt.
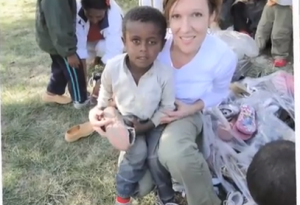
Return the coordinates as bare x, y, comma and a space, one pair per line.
110, 29
207, 76
154, 94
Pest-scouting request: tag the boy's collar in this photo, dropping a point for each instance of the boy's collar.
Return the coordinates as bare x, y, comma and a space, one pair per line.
103, 24
126, 68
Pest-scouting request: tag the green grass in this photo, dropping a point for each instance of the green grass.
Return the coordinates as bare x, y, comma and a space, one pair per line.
39, 167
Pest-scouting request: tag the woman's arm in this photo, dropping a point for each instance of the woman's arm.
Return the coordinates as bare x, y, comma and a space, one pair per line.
196, 107
221, 83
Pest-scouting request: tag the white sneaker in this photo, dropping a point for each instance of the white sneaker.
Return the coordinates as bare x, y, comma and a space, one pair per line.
234, 198
79, 106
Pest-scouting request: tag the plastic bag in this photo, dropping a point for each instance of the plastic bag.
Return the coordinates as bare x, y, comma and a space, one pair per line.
244, 47
235, 155
236, 162
242, 44
243, 67
278, 86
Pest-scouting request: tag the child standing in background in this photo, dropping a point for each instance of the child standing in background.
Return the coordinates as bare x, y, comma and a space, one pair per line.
276, 22
55, 34
99, 30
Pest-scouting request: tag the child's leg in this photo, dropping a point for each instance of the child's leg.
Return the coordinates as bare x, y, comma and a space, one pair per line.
131, 170
133, 165
92, 52
282, 32
91, 47
76, 81
100, 51
264, 27
57, 84
160, 175
58, 81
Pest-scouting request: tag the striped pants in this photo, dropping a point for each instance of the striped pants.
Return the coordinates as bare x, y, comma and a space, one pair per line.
62, 74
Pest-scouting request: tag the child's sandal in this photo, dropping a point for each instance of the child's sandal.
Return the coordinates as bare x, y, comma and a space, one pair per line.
246, 122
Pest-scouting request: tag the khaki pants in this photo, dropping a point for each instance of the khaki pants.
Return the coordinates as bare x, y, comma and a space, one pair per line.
276, 22
178, 152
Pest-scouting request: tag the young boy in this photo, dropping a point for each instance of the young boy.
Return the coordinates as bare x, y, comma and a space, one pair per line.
276, 22
99, 30
55, 34
271, 176
143, 90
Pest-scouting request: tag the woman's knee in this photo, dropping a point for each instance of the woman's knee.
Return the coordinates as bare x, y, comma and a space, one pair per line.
180, 157
178, 142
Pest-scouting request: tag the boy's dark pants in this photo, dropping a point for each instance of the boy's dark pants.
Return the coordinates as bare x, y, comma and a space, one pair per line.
62, 74
140, 157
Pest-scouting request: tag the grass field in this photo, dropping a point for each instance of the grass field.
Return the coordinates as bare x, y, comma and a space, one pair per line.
39, 167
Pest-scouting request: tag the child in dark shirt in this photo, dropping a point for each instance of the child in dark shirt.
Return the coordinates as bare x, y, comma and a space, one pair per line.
56, 35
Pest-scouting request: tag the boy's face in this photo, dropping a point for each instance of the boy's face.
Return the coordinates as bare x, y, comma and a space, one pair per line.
143, 43
95, 15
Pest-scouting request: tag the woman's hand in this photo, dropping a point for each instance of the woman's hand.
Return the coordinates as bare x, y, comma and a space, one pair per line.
182, 110
97, 121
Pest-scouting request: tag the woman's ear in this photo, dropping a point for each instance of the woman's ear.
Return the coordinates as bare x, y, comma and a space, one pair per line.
123, 39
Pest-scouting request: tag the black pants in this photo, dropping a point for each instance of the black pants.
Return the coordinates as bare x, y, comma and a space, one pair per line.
62, 74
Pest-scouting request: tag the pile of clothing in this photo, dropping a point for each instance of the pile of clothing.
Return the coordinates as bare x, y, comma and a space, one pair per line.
258, 111
244, 47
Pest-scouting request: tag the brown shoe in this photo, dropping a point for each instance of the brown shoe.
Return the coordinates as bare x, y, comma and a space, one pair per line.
59, 99
79, 131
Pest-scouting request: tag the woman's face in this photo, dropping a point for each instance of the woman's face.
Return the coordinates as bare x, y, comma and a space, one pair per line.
189, 21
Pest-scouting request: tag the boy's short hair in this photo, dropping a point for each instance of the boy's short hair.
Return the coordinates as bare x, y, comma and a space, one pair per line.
146, 14
271, 176
94, 4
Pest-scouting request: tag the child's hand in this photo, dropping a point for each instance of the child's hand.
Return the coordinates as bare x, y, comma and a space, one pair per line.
139, 127
73, 61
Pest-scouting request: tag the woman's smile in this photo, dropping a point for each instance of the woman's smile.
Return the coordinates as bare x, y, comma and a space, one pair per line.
187, 39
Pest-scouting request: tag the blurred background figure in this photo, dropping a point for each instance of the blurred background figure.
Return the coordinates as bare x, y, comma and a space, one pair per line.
158, 4
276, 24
